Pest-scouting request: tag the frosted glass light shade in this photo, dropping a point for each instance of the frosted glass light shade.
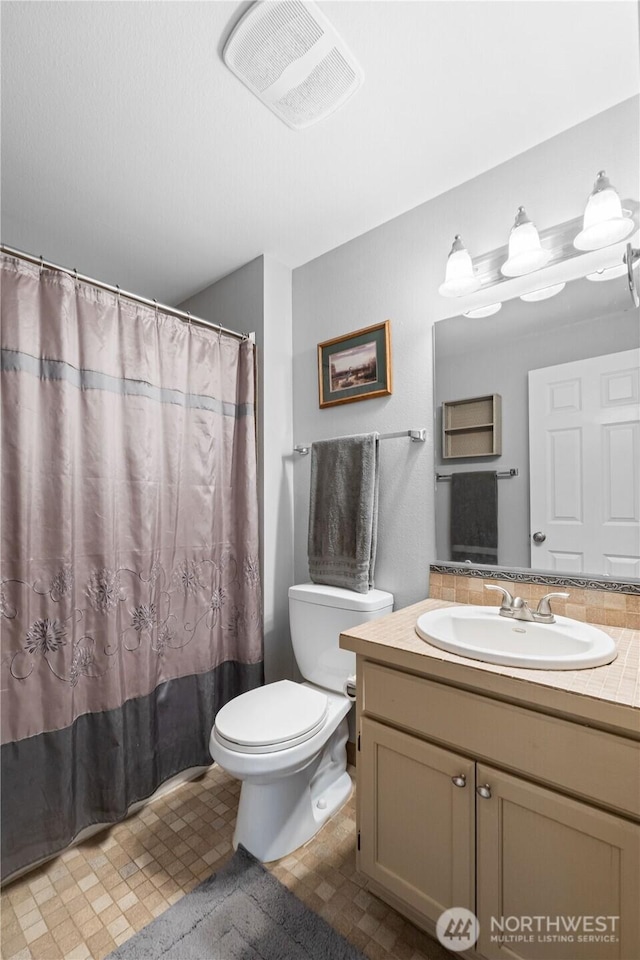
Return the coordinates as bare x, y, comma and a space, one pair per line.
604, 219
525, 251
459, 278
487, 311
543, 294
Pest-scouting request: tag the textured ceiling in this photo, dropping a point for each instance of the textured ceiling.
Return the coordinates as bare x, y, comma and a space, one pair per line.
130, 152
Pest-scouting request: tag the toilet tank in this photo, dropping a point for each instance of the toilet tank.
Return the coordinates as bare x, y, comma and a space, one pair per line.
317, 616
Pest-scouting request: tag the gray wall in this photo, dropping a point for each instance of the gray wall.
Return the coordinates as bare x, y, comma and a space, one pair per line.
257, 298
391, 272
276, 395
378, 276
394, 272
236, 301
500, 364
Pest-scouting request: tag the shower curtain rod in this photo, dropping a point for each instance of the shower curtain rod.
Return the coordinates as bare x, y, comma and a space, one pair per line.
418, 436
165, 308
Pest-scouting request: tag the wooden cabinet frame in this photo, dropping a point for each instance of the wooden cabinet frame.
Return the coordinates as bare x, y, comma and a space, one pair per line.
403, 826
416, 734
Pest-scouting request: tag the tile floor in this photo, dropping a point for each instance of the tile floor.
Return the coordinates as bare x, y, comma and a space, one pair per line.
84, 903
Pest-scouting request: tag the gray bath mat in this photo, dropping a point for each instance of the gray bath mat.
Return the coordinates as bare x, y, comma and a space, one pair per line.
240, 913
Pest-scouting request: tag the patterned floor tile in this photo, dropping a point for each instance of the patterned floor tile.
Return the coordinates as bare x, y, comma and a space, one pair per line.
87, 901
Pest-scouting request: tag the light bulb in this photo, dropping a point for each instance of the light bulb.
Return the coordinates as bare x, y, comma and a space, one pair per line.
459, 278
604, 219
525, 251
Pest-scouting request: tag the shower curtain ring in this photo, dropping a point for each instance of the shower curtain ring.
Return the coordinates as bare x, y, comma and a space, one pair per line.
156, 306
75, 276
189, 317
41, 263
220, 333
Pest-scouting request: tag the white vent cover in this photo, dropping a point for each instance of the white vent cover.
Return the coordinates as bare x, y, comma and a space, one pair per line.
289, 55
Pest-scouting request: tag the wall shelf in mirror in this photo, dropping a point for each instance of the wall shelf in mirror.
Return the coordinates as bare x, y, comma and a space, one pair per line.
472, 427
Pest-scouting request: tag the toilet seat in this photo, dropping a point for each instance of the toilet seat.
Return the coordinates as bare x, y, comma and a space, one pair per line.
271, 718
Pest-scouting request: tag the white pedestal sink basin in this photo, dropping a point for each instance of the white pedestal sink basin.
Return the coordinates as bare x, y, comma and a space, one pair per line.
482, 634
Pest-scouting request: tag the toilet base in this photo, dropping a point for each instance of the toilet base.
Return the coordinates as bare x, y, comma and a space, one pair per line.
277, 817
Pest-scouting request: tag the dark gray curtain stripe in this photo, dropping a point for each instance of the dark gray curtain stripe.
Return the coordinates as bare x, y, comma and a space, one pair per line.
56, 784
15, 361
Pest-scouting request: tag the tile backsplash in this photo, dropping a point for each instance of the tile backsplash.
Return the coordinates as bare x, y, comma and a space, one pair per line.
589, 604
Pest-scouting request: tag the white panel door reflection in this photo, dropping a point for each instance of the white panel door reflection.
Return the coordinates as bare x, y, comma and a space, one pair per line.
584, 462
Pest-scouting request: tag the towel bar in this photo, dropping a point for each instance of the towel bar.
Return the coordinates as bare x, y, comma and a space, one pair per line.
417, 436
503, 475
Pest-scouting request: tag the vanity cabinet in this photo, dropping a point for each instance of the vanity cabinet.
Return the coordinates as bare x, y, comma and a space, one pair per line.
542, 854
466, 800
416, 826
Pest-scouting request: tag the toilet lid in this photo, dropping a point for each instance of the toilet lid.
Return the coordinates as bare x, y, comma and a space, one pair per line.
272, 716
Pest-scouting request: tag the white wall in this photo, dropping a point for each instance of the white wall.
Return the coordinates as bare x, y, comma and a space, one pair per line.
257, 298
394, 272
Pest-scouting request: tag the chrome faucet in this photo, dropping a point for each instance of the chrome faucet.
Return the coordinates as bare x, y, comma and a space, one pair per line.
518, 609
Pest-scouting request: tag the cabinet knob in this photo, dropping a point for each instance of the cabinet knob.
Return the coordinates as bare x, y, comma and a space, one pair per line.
484, 791
459, 781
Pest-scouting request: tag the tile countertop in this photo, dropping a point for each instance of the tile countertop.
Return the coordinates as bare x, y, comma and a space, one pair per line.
606, 696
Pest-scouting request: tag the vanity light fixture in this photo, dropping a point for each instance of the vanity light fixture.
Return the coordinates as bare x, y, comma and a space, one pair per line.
534, 266
480, 312
631, 259
459, 278
608, 273
605, 221
543, 294
526, 253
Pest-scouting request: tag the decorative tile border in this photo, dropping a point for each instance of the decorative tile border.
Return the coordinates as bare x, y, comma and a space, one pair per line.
532, 576
588, 604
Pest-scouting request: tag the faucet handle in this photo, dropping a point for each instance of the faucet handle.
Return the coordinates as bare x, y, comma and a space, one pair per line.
544, 607
507, 599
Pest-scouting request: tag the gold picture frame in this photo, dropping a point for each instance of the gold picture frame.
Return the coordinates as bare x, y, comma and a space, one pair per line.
355, 366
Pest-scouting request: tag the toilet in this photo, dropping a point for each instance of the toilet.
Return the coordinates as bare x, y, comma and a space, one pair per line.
286, 741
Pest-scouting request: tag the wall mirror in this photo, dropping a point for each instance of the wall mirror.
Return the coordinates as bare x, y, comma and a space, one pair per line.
567, 372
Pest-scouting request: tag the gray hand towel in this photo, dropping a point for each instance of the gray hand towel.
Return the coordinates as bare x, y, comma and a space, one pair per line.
474, 517
343, 512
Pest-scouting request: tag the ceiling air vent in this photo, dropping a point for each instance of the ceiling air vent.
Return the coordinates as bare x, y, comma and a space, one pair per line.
289, 55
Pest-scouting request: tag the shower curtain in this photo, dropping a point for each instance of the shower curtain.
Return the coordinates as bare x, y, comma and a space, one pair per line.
130, 595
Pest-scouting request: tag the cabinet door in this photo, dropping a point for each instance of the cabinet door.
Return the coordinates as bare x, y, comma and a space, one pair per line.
548, 868
416, 825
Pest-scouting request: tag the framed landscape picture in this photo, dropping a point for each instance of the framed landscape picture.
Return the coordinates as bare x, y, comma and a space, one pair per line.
356, 366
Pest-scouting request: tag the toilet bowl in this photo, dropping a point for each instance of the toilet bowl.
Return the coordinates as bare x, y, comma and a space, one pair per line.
286, 741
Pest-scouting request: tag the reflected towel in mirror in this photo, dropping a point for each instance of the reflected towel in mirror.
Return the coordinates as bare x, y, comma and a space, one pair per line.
474, 517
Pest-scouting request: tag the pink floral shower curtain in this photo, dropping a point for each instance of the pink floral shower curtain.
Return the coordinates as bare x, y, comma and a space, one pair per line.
130, 595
